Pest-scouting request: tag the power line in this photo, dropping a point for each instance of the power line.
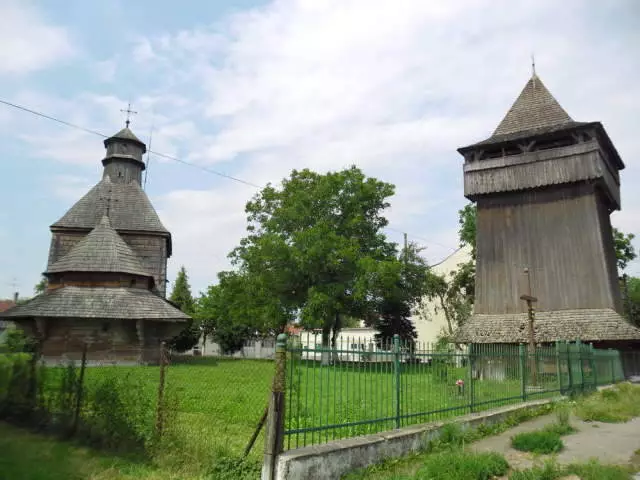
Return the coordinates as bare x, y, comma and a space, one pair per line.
178, 160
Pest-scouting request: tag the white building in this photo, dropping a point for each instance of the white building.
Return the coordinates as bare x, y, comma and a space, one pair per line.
429, 319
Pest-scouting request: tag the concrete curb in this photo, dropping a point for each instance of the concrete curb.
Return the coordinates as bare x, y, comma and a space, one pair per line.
334, 459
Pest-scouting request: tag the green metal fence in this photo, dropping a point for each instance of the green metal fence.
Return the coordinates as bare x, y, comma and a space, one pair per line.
360, 387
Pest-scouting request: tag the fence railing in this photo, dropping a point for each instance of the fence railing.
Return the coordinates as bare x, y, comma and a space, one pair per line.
342, 391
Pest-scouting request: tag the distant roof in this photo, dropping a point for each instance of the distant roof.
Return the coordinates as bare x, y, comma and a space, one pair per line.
6, 305
130, 209
124, 134
102, 250
534, 112
588, 325
98, 302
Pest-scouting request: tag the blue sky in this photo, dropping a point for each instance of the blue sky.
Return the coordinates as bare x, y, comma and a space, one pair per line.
254, 89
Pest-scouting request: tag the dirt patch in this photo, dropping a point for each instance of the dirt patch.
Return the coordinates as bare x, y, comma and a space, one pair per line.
611, 443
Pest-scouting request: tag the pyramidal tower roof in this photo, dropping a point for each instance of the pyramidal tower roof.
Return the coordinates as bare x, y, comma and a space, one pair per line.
535, 108
102, 250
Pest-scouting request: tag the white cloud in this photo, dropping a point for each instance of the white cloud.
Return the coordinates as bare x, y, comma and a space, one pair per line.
394, 87
71, 188
28, 41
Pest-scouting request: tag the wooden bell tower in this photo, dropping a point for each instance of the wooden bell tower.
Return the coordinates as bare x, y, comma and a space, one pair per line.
544, 186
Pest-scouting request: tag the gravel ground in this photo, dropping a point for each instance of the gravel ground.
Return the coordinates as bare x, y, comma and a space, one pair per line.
612, 443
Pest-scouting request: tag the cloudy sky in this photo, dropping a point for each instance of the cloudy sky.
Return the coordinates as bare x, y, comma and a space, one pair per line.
253, 89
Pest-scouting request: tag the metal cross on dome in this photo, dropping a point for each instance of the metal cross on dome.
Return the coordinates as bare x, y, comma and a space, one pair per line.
128, 111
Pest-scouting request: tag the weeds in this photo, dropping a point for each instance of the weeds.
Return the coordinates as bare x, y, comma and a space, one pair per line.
588, 471
542, 442
462, 465
615, 405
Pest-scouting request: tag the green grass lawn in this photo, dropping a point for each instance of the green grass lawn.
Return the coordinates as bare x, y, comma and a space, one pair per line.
219, 402
27, 456
354, 393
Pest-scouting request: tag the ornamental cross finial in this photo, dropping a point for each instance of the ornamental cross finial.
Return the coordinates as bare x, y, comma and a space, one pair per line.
128, 111
533, 64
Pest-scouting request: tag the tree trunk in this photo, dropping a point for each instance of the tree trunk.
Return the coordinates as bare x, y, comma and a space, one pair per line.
326, 355
334, 338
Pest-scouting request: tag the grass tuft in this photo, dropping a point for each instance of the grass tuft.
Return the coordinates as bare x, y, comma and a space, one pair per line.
457, 465
592, 470
542, 441
615, 405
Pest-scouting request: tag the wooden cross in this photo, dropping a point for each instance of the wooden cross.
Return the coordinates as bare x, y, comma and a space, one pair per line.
107, 200
531, 314
128, 111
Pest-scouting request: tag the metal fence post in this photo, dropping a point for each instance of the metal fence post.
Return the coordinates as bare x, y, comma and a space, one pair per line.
396, 372
558, 367
523, 374
613, 379
274, 434
594, 367
472, 393
581, 362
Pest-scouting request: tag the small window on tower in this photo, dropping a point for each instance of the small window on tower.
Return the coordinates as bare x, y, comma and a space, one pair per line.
133, 283
120, 173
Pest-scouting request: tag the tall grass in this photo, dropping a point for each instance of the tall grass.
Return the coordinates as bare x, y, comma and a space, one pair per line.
613, 405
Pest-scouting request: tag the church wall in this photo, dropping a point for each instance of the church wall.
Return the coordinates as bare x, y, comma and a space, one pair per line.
62, 243
152, 251
553, 231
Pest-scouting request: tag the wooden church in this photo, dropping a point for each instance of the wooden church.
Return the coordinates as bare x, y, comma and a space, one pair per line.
545, 186
106, 271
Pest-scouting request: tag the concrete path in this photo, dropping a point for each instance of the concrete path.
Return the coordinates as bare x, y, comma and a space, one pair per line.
612, 443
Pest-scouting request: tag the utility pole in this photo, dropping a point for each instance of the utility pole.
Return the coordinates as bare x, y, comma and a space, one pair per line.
532, 341
406, 251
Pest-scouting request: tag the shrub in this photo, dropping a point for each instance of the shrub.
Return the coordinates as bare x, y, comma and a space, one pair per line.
230, 468
118, 414
537, 442
462, 465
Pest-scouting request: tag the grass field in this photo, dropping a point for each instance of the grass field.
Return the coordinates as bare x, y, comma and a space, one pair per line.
219, 402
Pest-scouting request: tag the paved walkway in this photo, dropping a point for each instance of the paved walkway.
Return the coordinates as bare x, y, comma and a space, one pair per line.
608, 442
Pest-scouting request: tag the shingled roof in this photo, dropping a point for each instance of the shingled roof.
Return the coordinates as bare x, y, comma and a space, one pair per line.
98, 302
124, 134
130, 209
586, 325
535, 112
102, 250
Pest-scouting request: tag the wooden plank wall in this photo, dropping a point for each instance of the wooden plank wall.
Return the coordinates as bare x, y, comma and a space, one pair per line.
557, 233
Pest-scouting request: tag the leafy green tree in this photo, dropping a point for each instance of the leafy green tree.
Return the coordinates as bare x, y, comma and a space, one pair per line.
311, 241
41, 286
182, 298
467, 219
625, 253
631, 293
181, 293
400, 285
236, 310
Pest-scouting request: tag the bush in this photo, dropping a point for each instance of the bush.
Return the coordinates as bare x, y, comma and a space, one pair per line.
462, 465
118, 415
230, 468
537, 442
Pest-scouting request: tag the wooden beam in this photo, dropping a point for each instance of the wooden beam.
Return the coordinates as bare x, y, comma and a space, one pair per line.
528, 298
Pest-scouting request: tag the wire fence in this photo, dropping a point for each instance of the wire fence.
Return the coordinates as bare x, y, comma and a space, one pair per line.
360, 387
201, 405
